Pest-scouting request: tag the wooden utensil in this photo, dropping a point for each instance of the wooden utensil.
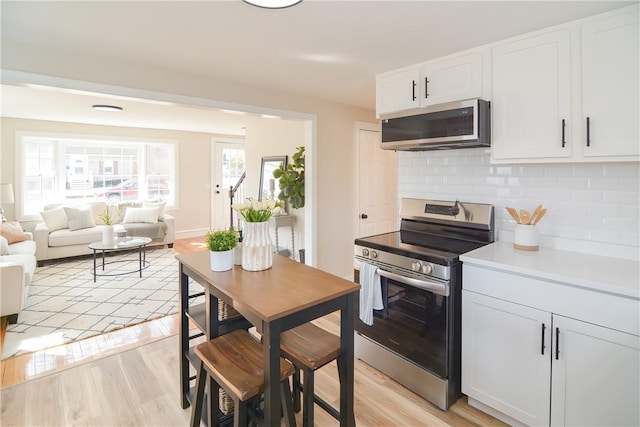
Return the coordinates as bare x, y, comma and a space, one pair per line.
514, 214
540, 215
525, 216
535, 213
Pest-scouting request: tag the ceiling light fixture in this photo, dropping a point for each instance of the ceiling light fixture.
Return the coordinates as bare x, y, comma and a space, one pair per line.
106, 107
273, 4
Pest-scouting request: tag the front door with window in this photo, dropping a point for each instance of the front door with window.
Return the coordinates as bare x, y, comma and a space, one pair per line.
228, 167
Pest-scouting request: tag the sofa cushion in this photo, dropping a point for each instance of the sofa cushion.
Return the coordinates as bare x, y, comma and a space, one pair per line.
66, 237
79, 218
56, 218
12, 231
145, 215
28, 247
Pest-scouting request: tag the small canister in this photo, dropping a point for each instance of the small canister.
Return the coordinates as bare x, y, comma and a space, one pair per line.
526, 237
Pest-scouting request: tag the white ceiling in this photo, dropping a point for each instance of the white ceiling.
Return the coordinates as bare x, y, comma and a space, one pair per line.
320, 48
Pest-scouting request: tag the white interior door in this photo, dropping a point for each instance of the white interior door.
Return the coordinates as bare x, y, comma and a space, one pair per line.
228, 166
377, 183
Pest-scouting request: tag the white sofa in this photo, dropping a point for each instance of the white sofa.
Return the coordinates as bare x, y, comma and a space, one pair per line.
54, 242
17, 265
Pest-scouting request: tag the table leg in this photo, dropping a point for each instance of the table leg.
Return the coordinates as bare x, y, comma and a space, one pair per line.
140, 259
271, 351
346, 361
103, 252
94, 266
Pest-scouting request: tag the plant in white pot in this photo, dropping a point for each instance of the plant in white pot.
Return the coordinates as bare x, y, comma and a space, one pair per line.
221, 244
108, 231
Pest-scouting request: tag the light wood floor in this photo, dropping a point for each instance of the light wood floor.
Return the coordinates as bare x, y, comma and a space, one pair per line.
131, 377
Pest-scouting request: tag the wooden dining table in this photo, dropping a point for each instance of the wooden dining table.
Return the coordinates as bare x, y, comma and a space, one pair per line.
274, 300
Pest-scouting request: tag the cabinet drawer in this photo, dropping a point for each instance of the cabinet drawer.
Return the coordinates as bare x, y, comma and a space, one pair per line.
611, 311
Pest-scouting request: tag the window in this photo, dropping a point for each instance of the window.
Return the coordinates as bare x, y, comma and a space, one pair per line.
74, 169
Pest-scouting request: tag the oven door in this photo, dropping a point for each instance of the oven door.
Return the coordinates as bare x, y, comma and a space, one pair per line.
414, 322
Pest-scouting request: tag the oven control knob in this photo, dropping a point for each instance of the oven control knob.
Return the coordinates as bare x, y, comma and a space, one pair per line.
427, 268
365, 252
374, 254
416, 265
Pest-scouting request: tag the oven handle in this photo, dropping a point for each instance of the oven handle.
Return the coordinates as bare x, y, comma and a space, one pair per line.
436, 288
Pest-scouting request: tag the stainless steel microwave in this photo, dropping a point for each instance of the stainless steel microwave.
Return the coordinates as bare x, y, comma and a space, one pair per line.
462, 124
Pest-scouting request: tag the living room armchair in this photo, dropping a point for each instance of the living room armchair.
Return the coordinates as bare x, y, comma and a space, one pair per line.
17, 265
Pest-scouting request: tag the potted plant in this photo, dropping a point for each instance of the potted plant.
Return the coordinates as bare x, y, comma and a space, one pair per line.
221, 244
291, 180
108, 231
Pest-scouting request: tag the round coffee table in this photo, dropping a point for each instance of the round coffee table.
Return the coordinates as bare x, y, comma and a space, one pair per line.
128, 243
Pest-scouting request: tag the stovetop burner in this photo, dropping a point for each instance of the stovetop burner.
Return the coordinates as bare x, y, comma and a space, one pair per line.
438, 250
436, 231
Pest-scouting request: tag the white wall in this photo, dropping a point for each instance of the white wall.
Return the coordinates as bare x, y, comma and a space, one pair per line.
596, 203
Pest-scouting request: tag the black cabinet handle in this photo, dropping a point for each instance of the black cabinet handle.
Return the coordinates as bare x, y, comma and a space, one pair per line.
557, 343
543, 329
364, 216
426, 88
588, 132
413, 90
563, 126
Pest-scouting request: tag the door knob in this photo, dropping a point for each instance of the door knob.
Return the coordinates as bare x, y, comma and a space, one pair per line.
363, 216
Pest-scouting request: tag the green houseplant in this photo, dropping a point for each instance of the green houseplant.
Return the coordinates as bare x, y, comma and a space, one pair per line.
221, 244
291, 180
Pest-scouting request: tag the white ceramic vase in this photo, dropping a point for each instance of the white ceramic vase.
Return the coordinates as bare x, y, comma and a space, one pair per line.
108, 234
256, 246
222, 260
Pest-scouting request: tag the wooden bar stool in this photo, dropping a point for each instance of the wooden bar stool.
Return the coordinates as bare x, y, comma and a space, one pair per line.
235, 362
309, 348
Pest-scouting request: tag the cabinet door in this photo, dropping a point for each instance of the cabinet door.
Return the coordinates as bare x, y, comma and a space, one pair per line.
532, 97
596, 376
398, 91
452, 80
506, 362
610, 86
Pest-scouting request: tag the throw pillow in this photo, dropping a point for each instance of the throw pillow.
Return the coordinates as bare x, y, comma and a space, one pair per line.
79, 218
123, 206
148, 215
4, 246
156, 204
12, 231
56, 218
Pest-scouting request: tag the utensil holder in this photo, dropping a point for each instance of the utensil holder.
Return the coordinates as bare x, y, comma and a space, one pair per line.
526, 237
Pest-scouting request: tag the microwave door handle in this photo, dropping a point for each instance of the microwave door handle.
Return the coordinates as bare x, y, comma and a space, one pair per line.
435, 287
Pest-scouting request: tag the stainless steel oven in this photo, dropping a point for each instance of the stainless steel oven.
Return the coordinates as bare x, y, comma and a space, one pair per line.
415, 337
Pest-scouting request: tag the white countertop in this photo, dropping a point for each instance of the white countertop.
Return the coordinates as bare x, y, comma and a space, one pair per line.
603, 274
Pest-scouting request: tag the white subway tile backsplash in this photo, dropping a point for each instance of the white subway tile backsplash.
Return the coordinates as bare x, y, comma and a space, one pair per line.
596, 202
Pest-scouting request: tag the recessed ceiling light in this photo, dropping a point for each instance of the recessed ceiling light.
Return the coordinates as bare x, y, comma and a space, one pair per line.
273, 4
106, 107
270, 116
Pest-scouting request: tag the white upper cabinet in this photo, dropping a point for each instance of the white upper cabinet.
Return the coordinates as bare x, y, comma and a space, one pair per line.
452, 79
569, 94
610, 86
435, 82
531, 109
397, 90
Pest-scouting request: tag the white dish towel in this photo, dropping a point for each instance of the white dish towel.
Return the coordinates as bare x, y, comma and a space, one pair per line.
370, 292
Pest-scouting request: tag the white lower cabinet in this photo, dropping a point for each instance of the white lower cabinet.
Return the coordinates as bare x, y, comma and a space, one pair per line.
540, 368
595, 376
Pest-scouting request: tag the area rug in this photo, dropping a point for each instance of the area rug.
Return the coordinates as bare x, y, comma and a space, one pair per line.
64, 304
